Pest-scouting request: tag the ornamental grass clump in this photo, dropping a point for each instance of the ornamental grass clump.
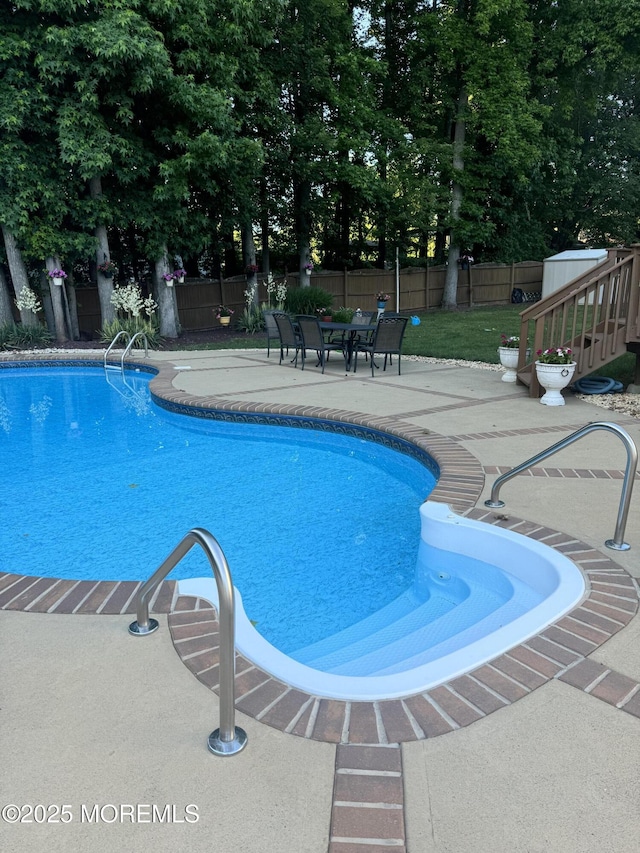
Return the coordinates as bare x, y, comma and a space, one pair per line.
20, 336
555, 355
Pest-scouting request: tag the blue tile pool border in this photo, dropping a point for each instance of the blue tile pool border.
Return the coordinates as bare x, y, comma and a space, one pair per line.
319, 424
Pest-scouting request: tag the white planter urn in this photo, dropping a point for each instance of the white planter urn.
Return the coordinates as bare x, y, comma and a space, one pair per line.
169, 282
553, 378
509, 360
57, 282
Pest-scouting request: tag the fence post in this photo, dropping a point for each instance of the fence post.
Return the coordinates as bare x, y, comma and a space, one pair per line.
426, 287
345, 286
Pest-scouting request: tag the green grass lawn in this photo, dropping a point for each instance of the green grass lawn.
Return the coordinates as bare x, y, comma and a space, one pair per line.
473, 335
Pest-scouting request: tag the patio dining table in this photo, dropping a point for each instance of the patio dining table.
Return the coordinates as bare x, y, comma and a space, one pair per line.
350, 333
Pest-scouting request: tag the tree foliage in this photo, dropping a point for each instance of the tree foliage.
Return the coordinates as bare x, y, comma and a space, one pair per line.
324, 130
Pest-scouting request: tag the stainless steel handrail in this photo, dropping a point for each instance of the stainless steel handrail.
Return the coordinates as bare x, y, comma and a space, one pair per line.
229, 738
112, 344
617, 543
130, 345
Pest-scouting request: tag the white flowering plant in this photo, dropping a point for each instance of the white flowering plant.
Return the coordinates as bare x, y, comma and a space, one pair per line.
129, 301
135, 314
28, 301
250, 292
276, 293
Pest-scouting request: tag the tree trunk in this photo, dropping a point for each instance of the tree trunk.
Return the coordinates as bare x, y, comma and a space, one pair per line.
18, 272
249, 259
450, 294
302, 201
60, 326
72, 310
6, 311
165, 296
264, 230
105, 284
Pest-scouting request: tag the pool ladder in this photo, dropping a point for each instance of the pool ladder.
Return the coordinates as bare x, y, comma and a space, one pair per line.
228, 739
617, 543
130, 342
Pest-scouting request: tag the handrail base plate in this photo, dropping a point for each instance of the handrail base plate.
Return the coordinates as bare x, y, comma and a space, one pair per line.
227, 747
140, 631
624, 546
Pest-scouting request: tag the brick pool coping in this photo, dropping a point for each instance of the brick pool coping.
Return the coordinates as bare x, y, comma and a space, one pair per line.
368, 797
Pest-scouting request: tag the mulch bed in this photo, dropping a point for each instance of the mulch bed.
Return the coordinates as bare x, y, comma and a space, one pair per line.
187, 339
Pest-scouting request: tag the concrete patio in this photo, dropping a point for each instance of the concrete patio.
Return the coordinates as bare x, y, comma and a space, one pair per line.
90, 716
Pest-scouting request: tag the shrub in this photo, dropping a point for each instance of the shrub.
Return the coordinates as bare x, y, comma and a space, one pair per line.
132, 326
251, 320
343, 315
20, 336
307, 300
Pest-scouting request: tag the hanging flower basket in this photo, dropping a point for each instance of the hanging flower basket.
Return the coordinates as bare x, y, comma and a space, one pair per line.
108, 269
168, 279
57, 276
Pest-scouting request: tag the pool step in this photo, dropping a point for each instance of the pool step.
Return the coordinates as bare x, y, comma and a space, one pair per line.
383, 641
406, 605
401, 656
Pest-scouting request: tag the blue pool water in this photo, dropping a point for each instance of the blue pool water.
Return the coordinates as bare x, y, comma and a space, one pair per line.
320, 530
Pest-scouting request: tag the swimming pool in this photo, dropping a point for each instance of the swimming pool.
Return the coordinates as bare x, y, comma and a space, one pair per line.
396, 600
114, 482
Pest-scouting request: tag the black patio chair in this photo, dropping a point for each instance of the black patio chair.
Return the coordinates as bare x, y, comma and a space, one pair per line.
288, 336
387, 339
368, 319
313, 339
271, 328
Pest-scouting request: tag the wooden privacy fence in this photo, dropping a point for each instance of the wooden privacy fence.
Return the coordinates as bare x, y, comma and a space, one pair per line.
421, 289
